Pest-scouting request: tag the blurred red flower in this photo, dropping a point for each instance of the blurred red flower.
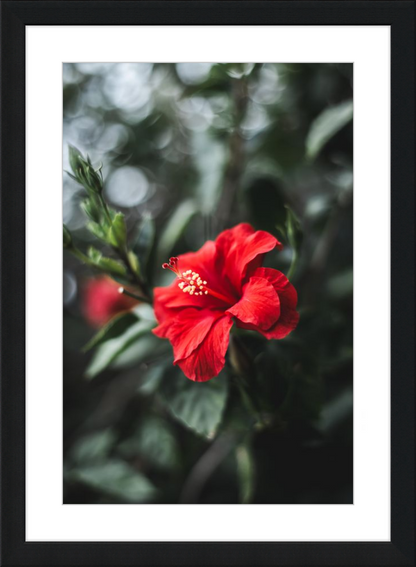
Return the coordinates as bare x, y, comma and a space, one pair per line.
221, 283
102, 301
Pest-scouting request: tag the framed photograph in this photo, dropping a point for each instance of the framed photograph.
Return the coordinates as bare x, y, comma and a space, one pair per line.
216, 367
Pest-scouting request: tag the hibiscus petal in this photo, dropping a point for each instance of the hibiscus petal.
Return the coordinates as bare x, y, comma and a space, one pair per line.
168, 300
201, 261
208, 359
240, 251
204, 262
181, 299
287, 293
259, 305
189, 329
161, 330
161, 297
285, 325
289, 317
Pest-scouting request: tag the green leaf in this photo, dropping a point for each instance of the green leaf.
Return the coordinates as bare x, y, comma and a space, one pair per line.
151, 379
175, 228
198, 405
97, 231
93, 447
91, 208
113, 348
116, 327
134, 262
112, 266
75, 157
106, 264
71, 176
154, 442
326, 125
146, 350
117, 235
117, 479
94, 255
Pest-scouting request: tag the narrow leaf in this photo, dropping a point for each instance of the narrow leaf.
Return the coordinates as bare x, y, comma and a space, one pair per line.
116, 327
96, 230
111, 349
175, 228
326, 125
118, 233
75, 157
106, 264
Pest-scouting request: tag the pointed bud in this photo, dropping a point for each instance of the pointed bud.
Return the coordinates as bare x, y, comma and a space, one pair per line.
84, 172
75, 157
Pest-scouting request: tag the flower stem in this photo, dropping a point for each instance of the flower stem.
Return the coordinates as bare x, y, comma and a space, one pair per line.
124, 291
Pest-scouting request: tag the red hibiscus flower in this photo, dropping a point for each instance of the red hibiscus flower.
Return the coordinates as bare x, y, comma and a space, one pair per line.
102, 301
220, 284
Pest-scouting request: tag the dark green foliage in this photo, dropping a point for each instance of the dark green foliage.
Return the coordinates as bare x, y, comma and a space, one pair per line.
186, 152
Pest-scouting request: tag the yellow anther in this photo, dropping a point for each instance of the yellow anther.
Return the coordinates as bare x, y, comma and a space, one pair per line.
192, 283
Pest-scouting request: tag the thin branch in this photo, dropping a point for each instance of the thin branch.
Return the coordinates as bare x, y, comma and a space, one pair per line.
205, 467
124, 291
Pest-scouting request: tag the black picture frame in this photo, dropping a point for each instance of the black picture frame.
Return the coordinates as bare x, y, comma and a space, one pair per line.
15, 15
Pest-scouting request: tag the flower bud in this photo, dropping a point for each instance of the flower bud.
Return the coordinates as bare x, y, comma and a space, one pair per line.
102, 301
75, 157
84, 173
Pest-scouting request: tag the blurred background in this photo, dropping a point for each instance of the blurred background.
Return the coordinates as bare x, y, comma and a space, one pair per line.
187, 150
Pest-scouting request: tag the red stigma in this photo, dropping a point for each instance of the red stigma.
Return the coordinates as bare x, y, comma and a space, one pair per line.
173, 266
